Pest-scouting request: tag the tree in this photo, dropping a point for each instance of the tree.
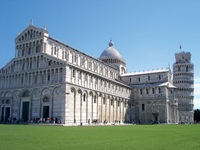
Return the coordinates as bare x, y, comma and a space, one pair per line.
197, 115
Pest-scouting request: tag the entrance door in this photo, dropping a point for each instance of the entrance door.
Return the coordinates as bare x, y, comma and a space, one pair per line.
45, 111
7, 113
155, 116
25, 111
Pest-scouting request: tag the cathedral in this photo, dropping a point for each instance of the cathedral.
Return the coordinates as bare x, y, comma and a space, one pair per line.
50, 81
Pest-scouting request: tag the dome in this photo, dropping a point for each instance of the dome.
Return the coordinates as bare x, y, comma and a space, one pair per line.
110, 53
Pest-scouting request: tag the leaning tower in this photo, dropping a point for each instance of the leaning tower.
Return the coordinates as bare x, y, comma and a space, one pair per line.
183, 79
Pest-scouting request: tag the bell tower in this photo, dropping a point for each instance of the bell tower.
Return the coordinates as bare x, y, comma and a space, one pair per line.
183, 79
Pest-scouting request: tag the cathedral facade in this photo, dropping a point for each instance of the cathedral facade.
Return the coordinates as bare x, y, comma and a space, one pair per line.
51, 81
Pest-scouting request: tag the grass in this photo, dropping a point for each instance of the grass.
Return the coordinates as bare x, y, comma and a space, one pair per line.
133, 137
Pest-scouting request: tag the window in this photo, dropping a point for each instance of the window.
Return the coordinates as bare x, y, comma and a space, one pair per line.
159, 77
101, 70
130, 80
80, 75
63, 54
95, 99
147, 91
36, 78
140, 91
37, 48
159, 90
48, 78
95, 66
106, 72
111, 74
139, 79
171, 91
22, 80
29, 50
143, 107
23, 65
89, 65
186, 68
118, 103
104, 101
84, 97
37, 63
91, 79
66, 56
111, 102
179, 68
73, 73
31, 34
22, 52
50, 63
148, 78
86, 78
54, 50
153, 90
75, 58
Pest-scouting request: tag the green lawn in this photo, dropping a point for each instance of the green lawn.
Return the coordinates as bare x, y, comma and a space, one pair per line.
132, 137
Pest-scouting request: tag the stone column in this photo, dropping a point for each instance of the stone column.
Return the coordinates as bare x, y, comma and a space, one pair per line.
87, 108
92, 101
97, 102
117, 109
101, 108
105, 106
120, 110
109, 108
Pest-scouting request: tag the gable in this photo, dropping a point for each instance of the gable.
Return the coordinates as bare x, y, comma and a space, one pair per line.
31, 32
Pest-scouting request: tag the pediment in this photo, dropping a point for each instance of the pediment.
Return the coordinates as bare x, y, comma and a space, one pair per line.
31, 32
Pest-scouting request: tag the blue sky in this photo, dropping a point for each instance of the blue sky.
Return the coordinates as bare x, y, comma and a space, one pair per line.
147, 33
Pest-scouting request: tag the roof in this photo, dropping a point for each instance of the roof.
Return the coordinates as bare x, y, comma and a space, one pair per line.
158, 84
110, 53
145, 72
